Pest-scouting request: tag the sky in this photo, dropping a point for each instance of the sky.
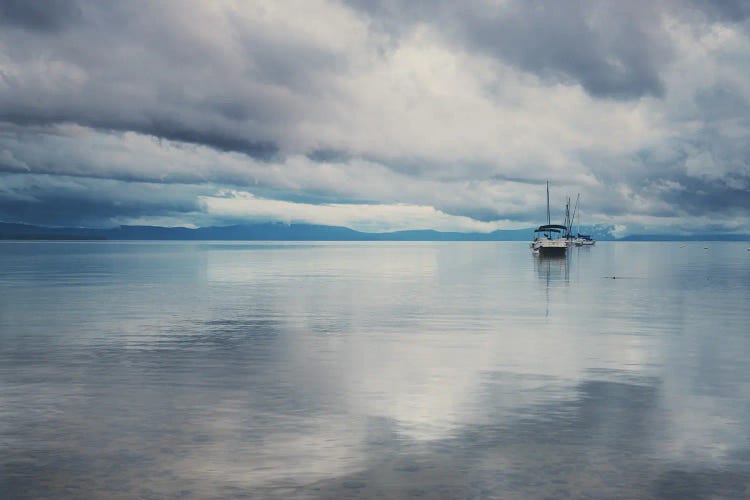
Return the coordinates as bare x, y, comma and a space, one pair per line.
377, 115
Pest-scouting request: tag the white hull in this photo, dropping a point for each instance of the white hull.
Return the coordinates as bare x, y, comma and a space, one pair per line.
546, 246
581, 242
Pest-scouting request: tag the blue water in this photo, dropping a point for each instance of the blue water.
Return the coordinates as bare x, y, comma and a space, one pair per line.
366, 370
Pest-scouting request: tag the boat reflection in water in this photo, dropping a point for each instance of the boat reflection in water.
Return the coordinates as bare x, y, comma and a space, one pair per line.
551, 269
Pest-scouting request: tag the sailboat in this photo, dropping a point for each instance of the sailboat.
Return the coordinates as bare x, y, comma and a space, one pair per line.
569, 238
547, 238
581, 240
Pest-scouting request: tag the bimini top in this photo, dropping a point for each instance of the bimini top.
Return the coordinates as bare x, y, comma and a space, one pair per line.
551, 228
584, 236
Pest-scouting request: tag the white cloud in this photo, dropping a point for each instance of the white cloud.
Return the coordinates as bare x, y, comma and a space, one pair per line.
366, 217
619, 231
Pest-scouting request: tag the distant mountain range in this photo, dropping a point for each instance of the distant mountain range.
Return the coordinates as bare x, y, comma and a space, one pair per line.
263, 231
686, 237
278, 231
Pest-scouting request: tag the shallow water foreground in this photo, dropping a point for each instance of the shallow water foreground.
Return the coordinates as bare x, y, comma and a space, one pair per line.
367, 370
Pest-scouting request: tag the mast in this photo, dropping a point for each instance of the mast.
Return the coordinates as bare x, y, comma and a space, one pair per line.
548, 218
575, 210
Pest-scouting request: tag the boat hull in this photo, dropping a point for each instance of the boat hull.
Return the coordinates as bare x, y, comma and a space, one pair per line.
549, 247
552, 251
583, 242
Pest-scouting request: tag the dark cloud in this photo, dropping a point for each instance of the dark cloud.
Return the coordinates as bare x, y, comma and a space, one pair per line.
723, 10
172, 130
613, 52
42, 16
133, 68
710, 197
167, 127
329, 155
612, 49
66, 201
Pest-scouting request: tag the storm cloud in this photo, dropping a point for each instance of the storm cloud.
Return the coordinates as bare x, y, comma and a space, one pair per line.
613, 49
51, 15
118, 112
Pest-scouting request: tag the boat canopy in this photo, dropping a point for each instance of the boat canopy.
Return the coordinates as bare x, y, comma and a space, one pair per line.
553, 228
584, 236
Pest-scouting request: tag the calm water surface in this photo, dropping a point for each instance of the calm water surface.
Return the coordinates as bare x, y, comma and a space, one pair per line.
366, 370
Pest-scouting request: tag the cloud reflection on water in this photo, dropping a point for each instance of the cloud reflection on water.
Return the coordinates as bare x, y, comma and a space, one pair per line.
357, 370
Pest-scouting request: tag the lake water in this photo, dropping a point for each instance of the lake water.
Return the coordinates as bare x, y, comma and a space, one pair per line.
374, 370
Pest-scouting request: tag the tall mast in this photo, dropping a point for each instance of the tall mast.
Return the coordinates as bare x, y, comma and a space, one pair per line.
575, 211
548, 217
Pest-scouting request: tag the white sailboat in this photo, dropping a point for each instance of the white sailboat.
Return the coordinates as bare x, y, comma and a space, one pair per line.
581, 240
548, 239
